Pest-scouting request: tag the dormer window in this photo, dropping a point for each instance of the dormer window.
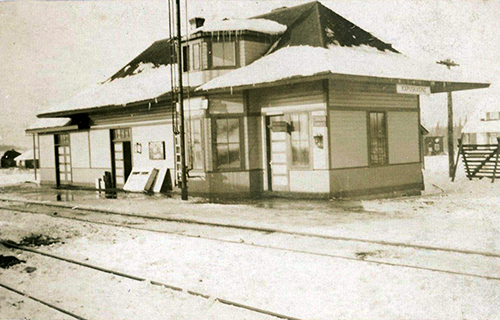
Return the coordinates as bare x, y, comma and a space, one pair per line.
224, 54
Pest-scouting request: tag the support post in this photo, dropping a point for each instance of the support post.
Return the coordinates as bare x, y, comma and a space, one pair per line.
451, 150
458, 158
184, 190
34, 155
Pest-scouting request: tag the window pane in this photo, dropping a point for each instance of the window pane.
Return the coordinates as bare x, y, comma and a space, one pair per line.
228, 143
222, 130
229, 56
204, 55
185, 58
378, 147
196, 57
234, 155
304, 127
233, 130
300, 139
218, 54
222, 156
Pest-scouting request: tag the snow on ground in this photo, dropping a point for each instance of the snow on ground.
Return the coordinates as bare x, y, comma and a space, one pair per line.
15, 176
463, 214
109, 296
303, 286
14, 306
361, 61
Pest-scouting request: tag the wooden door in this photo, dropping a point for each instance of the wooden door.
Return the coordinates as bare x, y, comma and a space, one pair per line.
123, 161
278, 153
63, 159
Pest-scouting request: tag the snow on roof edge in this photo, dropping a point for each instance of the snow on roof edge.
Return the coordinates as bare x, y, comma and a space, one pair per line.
257, 25
355, 61
48, 123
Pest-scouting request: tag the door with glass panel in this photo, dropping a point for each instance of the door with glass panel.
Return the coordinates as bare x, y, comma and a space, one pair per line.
121, 151
63, 159
288, 148
278, 150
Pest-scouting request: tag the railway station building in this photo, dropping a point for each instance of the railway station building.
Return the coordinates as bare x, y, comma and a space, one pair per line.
298, 101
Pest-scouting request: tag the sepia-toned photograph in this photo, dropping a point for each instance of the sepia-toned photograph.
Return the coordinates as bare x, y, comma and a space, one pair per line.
243, 159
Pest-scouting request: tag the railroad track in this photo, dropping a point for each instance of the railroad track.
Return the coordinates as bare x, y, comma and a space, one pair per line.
261, 230
50, 305
135, 278
257, 229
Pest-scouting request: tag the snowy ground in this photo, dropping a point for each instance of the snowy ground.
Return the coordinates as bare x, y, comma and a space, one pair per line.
462, 215
15, 176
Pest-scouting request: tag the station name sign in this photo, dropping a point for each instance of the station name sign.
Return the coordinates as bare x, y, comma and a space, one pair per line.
409, 89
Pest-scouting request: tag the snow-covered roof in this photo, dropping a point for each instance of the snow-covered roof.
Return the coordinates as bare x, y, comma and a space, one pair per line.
147, 82
257, 25
303, 61
481, 126
47, 123
28, 155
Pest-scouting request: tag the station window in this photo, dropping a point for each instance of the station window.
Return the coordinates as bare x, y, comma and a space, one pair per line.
195, 149
185, 58
224, 54
227, 143
196, 57
378, 138
300, 139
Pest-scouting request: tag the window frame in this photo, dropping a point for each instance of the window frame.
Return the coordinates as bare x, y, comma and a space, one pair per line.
241, 142
191, 146
309, 164
196, 52
235, 52
371, 163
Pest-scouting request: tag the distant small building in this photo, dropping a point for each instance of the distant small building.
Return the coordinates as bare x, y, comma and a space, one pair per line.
433, 145
484, 131
8, 157
27, 160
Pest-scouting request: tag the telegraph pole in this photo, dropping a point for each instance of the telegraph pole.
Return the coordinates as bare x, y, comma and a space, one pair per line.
184, 190
451, 149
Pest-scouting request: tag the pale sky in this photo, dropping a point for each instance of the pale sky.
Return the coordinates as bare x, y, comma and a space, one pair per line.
50, 50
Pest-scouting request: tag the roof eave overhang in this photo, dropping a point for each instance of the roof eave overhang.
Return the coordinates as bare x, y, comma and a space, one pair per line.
52, 129
165, 97
435, 86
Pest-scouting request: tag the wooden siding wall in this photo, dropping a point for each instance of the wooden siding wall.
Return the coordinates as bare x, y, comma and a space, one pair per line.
252, 50
226, 104
100, 149
404, 139
146, 134
358, 95
80, 152
47, 176
130, 115
304, 96
47, 152
383, 179
349, 140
